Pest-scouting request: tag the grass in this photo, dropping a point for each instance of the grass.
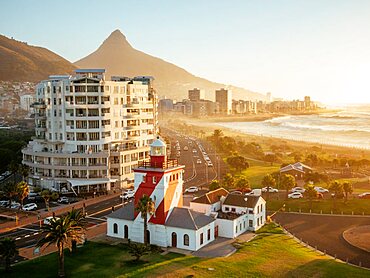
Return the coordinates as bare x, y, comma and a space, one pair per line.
255, 173
270, 254
357, 206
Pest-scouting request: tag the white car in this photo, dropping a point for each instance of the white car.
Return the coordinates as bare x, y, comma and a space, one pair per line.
321, 189
128, 194
4, 203
270, 189
295, 195
47, 219
209, 163
28, 207
15, 205
199, 161
186, 148
195, 151
298, 189
192, 189
63, 200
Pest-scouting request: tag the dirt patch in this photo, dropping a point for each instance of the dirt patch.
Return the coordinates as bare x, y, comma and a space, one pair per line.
358, 237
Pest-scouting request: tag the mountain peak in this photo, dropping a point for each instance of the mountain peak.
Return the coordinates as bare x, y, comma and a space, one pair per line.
117, 38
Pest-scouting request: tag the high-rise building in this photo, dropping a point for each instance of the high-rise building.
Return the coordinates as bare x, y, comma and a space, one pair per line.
26, 101
224, 98
90, 132
196, 94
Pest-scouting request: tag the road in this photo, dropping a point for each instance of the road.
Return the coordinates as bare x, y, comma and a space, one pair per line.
27, 236
325, 232
196, 174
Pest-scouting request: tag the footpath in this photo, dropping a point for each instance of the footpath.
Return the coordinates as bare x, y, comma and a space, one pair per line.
35, 217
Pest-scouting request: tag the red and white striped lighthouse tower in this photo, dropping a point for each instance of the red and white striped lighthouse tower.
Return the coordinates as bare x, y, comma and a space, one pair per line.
161, 179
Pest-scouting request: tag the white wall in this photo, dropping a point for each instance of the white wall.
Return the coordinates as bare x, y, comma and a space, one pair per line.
204, 231
180, 238
202, 208
121, 223
238, 210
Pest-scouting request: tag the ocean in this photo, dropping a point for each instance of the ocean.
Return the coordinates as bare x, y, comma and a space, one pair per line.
349, 128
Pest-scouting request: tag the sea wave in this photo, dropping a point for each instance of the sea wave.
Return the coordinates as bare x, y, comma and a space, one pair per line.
349, 128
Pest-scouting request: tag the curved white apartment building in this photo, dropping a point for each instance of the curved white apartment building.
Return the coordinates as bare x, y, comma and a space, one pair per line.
90, 132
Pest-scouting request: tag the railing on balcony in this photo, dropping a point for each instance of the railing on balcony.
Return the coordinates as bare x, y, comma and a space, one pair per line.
170, 163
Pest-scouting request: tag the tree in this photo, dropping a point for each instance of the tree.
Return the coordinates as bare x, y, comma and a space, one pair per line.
145, 206
337, 189
217, 133
228, 181
14, 168
287, 182
242, 184
78, 221
22, 191
24, 170
348, 189
311, 193
60, 231
47, 195
10, 191
268, 181
137, 250
238, 162
215, 184
8, 251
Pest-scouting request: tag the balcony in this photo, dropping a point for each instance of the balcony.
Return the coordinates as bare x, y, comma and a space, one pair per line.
170, 163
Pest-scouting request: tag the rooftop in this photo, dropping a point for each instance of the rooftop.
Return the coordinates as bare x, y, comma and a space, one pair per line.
188, 219
241, 200
211, 197
90, 70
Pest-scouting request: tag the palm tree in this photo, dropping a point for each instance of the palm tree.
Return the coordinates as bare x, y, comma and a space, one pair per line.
268, 181
8, 251
287, 182
60, 231
310, 193
22, 191
145, 206
24, 170
9, 191
47, 195
79, 221
347, 188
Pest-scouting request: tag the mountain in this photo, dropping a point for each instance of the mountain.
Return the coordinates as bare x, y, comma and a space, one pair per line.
118, 57
23, 62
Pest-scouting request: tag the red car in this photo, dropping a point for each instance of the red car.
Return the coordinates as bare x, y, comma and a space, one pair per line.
365, 195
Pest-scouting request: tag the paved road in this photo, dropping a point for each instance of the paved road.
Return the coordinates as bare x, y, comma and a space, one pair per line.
196, 174
325, 232
27, 236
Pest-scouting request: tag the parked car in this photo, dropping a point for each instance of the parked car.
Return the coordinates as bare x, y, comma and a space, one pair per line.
254, 192
295, 195
4, 203
209, 163
15, 205
28, 207
63, 200
321, 189
298, 189
199, 161
270, 189
195, 151
192, 189
365, 195
186, 148
32, 195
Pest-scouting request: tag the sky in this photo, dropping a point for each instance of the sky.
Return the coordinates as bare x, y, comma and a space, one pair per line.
290, 48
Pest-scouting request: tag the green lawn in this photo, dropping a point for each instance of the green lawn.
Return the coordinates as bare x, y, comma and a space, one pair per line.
256, 173
358, 206
270, 254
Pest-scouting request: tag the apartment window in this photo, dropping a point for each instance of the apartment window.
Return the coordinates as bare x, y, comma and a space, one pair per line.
186, 240
250, 223
201, 238
209, 234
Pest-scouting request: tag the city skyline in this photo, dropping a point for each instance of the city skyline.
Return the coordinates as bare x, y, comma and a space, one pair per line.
291, 49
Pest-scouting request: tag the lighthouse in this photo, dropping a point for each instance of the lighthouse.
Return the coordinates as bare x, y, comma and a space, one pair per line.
161, 179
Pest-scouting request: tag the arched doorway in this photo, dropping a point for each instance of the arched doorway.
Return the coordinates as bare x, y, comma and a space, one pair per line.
148, 236
174, 239
125, 231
